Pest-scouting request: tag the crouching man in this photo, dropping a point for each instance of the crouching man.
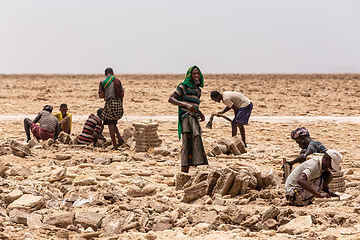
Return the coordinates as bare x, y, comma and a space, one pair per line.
92, 130
311, 178
48, 127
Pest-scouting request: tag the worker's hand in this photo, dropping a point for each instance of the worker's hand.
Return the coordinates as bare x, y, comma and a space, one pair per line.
332, 194
287, 163
191, 108
202, 118
220, 113
324, 195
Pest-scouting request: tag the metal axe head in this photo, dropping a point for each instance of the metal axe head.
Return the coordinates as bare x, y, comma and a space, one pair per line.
209, 125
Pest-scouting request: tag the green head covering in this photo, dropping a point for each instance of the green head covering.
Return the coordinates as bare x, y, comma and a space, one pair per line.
190, 83
188, 80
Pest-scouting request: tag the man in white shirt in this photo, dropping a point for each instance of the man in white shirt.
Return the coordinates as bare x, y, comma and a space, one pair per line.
242, 107
311, 178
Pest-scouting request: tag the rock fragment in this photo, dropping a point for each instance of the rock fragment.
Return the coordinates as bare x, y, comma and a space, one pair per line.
18, 216
196, 191
225, 181
3, 169
62, 219
297, 225
111, 225
270, 213
12, 196
181, 179
62, 157
28, 202
20, 171
34, 220
89, 219
58, 174
64, 137
161, 224
102, 161
84, 180
19, 149
212, 180
33, 142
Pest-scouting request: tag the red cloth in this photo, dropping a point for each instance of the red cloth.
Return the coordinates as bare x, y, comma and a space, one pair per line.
41, 133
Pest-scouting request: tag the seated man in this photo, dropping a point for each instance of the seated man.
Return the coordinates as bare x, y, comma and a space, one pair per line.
311, 178
92, 129
64, 119
308, 146
48, 125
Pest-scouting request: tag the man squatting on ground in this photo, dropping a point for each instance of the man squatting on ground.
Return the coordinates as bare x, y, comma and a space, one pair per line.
92, 129
242, 107
48, 125
308, 146
64, 119
311, 178
113, 93
187, 97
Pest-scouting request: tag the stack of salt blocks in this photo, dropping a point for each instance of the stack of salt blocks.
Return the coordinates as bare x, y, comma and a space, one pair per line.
146, 136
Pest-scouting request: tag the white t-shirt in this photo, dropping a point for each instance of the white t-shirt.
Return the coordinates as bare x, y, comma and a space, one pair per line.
312, 168
235, 99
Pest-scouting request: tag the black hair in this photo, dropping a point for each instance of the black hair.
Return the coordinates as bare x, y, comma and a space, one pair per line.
99, 111
215, 94
48, 108
194, 68
109, 71
63, 105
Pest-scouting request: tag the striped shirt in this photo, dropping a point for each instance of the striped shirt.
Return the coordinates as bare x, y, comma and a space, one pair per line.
93, 123
317, 147
188, 95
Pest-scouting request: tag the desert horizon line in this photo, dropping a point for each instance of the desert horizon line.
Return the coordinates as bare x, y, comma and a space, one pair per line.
229, 73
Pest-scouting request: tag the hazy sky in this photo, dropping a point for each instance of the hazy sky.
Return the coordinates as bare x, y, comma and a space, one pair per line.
166, 36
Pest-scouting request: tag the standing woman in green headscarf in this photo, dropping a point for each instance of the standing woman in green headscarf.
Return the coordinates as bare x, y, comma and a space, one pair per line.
187, 97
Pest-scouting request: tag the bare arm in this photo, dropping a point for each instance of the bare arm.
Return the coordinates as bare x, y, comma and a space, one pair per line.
225, 110
302, 157
201, 115
37, 118
67, 118
302, 181
99, 136
173, 100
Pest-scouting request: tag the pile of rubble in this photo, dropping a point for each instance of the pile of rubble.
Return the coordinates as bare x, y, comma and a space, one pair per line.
225, 181
233, 146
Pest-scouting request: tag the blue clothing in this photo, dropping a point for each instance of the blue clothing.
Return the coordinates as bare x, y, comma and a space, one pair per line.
316, 147
243, 114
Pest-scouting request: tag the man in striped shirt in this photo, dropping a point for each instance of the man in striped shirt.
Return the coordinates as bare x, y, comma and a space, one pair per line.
92, 129
187, 98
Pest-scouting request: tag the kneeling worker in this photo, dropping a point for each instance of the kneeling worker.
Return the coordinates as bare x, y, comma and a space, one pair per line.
92, 129
308, 146
311, 178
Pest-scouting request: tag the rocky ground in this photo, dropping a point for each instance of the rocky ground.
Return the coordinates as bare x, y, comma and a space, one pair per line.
66, 191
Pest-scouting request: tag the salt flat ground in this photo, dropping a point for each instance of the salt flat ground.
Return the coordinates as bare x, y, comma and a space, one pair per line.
326, 104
